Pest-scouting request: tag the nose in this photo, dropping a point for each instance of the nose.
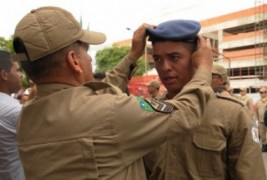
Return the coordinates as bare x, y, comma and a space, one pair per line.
165, 65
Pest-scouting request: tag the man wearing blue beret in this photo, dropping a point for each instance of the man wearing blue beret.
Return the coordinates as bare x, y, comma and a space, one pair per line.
224, 145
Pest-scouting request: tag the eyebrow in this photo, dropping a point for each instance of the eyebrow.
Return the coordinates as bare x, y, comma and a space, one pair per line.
169, 54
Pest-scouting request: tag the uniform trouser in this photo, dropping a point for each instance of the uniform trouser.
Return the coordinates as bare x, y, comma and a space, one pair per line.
262, 132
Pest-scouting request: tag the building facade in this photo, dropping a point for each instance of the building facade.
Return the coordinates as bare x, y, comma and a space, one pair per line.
240, 40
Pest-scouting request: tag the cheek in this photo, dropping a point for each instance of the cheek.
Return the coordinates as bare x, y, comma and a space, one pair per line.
184, 69
87, 62
215, 82
90, 71
13, 77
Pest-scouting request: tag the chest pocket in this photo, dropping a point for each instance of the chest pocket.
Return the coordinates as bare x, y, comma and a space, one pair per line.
208, 156
208, 143
56, 160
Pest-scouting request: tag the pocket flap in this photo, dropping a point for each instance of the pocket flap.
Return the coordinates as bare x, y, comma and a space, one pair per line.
208, 143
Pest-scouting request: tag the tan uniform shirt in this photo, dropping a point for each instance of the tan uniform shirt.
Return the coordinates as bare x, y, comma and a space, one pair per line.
97, 132
248, 102
223, 147
260, 109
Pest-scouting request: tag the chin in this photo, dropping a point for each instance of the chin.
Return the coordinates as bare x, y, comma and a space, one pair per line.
174, 89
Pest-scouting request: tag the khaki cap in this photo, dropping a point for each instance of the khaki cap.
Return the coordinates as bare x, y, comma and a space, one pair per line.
154, 83
220, 70
48, 29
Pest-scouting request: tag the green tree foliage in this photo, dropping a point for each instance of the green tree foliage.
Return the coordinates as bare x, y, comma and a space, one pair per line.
6, 44
107, 58
25, 81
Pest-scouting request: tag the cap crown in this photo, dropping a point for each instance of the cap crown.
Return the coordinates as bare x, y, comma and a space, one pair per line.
154, 83
49, 29
220, 70
177, 30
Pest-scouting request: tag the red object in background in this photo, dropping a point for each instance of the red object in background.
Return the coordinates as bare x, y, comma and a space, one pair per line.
138, 85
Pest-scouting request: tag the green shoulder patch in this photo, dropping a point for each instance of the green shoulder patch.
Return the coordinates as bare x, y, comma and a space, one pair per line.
144, 105
160, 106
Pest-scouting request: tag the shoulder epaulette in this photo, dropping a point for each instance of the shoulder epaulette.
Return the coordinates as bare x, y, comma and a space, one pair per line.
231, 98
97, 86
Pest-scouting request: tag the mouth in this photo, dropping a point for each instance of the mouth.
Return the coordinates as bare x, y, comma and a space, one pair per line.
170, 79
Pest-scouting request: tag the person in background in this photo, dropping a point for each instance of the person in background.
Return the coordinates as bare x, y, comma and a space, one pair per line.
10, 76
259, 112
246, 99
223, 146
220, 83
219, 80
84, 129
153, 88
24, 97
229, 88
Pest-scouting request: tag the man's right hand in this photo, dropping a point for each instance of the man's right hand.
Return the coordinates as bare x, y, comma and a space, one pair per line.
138, 43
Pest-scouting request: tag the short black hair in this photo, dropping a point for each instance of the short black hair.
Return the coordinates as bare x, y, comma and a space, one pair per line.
191, 45
99, 75
5, 61
47, 65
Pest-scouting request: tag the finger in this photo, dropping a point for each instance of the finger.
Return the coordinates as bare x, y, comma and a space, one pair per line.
201, 40
208, 42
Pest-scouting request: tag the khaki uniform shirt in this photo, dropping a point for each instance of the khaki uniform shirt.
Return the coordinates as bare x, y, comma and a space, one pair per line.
260, 109
97, 132
248, 102
223, 147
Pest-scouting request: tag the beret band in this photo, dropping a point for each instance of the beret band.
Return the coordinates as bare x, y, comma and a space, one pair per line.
176, 30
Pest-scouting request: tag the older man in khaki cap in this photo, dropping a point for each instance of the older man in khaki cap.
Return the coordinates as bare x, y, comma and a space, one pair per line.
153, 88
220, 83
219, 75
94, 131
246, 99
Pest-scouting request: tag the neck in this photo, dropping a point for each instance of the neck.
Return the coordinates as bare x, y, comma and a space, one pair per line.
5, 90
171, 95
59, 80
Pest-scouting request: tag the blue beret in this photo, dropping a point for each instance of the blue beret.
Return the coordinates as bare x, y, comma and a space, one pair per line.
175, 30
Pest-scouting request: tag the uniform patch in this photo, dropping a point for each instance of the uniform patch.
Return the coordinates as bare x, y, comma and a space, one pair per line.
144, 105
255, 132
160, 106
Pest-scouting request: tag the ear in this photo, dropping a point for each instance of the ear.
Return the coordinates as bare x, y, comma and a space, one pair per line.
73, 62
3, 75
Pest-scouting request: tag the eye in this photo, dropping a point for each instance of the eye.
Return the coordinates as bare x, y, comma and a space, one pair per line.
174, 57
156, 59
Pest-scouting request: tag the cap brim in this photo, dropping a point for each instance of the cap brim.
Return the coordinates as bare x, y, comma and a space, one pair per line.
89, 37
93, 38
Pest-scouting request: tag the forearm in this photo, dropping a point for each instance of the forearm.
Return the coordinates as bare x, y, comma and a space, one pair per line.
121, 73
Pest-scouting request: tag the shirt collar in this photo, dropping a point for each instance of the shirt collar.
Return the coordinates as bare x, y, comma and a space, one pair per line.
46, 89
